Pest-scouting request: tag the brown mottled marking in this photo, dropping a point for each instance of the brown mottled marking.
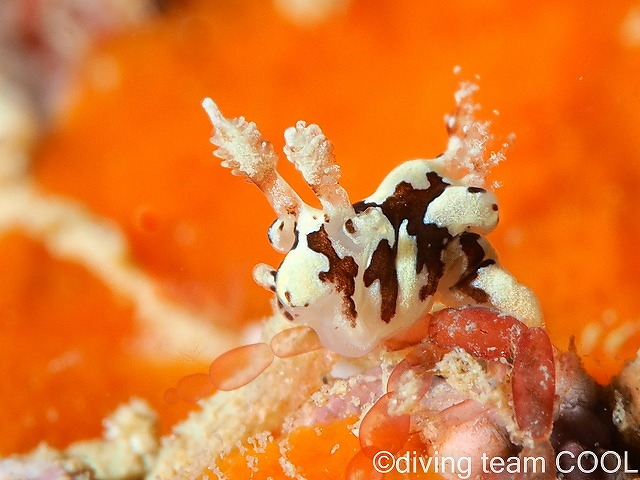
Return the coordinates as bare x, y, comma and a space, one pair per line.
286, 314
425, 291
273, 274
475, 260
348, 225
410, 204
494, 206
342, 271
378, 269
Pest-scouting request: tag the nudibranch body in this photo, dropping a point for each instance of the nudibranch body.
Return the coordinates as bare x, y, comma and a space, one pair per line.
360, 273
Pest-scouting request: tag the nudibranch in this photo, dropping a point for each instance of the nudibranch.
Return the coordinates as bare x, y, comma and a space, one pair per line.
360, 273
465, 365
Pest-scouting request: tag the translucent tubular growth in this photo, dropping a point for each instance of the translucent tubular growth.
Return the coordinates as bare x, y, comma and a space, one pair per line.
244, 150
312, 154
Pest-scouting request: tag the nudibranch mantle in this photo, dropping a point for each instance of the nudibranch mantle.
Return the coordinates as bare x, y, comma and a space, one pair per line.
360, 273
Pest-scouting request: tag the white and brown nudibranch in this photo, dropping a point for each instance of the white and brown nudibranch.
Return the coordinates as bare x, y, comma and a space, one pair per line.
360, 273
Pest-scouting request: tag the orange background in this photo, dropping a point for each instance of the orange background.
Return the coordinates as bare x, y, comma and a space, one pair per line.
132, 145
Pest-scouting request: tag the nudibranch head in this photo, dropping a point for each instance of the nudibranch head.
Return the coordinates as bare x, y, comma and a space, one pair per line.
359, 273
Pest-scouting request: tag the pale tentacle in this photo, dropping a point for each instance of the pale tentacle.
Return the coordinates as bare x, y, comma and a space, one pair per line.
265, 276
312, 154
244, 150
508, 295
475, 276
466, 157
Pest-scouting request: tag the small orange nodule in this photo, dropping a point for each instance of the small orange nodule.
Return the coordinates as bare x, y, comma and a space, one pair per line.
295, 341
171, 395
190, 389
238, 367
147, 220
423, 371
379, 430
360, 467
